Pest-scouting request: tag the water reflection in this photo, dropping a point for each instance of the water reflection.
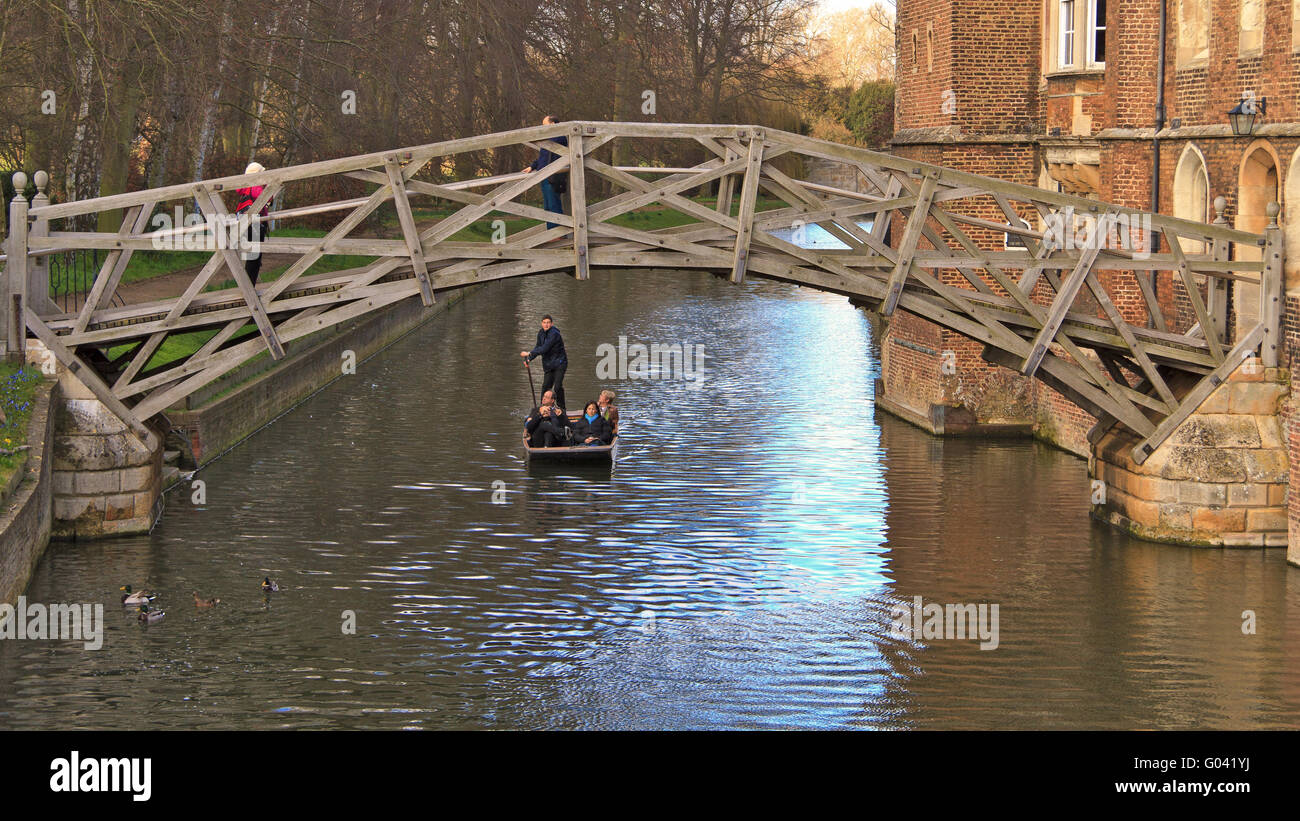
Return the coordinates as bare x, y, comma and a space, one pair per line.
737, 568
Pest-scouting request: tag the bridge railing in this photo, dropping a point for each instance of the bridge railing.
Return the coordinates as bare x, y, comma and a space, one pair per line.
1135, 316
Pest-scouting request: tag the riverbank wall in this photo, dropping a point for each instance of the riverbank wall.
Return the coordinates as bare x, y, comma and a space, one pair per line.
27, 514
231, 409
88, 477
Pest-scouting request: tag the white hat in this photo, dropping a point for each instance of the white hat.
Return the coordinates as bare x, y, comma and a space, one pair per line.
253, 168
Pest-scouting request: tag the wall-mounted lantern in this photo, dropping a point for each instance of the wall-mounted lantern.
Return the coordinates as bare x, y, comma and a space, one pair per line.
1245, 114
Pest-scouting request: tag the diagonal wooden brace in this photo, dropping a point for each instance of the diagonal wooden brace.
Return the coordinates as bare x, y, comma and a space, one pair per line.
218, 209
91, 380
907, 248
409, 232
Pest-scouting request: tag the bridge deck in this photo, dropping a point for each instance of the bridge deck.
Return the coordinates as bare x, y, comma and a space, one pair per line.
1070, 301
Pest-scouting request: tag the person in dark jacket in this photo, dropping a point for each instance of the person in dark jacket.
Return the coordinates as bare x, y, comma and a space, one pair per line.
256, 231
591, 428
546, 425
550, 347
555, 185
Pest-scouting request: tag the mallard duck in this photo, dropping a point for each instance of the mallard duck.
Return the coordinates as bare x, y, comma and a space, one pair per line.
130, 598
202, 602
270, 586
148, 616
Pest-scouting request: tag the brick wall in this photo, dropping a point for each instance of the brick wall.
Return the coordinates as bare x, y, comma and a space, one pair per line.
990, 57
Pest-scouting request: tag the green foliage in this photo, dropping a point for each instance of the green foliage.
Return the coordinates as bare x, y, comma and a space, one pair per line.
17, 390
869, 113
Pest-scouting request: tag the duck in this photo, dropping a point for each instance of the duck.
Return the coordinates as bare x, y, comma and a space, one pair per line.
130, 598
202, 602
270, 586
148, 616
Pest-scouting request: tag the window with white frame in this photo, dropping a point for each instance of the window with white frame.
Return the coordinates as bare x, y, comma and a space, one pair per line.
1096, 33
1080, 34
1066, 52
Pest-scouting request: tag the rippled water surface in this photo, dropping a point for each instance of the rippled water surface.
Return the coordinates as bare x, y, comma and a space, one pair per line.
736, 569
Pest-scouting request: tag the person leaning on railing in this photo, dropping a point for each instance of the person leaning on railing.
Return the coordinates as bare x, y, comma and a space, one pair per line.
247, 196
555, 185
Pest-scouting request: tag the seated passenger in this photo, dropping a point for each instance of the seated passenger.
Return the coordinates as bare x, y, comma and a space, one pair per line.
547, 425
607, 409
591, 428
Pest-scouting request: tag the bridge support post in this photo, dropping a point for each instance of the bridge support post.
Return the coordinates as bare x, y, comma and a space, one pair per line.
15, 276
1220, 478
1216, 303
1270, 294
38, 269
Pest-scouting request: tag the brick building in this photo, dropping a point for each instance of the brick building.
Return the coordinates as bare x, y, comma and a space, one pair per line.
1067, 95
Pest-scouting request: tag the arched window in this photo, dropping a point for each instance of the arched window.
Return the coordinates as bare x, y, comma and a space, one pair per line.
1257, 186
1192, 193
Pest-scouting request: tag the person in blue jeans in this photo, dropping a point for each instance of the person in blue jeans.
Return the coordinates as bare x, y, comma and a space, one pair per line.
555, 185
550, 347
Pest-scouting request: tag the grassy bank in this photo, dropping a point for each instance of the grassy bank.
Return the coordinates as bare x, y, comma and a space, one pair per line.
17, 390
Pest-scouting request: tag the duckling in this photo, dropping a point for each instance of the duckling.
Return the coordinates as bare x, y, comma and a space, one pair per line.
202, 602
148, 616
270, 586
130, 598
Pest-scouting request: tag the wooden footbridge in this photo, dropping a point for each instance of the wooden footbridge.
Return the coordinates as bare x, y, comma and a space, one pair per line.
1056, 286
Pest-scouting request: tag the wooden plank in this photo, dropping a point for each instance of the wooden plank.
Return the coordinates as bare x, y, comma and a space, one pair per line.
1217, 292
1153, 304
318, 169
115, 262
1117, 388
331, 238
449, 225
447, 192
1126, 332
233, 357
1198, 394
1270, 297
907, 247
1194, 297
748, 198
1055, 372
726, 185
1064, 299
14, 279
578, 205
409, 233
677, 201
92, 381
139, 359
220, 338
196, 363
1026, 193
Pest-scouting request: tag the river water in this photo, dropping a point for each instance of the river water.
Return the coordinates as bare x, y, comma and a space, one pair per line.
737, 569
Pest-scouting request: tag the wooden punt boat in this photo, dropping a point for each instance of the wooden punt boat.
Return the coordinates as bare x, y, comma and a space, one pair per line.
589, 454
